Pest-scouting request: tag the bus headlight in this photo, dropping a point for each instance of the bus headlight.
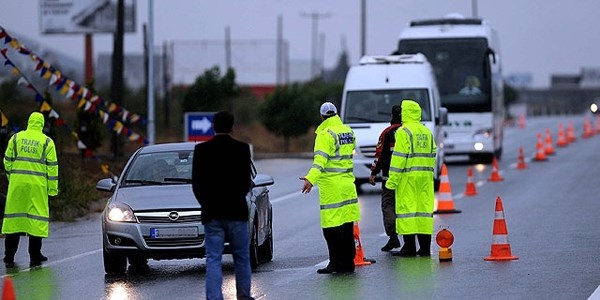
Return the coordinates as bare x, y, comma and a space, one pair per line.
594, 108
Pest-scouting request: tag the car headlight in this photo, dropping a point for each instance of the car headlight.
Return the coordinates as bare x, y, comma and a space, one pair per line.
120, 213
594, 108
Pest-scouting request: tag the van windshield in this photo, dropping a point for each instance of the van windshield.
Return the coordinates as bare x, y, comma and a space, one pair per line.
375, 106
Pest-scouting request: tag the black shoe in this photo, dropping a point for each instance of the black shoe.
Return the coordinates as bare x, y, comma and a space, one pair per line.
404, 253
326, 270
9, 264
423, 253
37, 260
391, 244
345, 270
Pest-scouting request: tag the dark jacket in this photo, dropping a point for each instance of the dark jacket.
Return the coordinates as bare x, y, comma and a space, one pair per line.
383, 152
221, 178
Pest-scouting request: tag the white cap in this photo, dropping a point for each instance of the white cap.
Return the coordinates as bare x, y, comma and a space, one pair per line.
328, 109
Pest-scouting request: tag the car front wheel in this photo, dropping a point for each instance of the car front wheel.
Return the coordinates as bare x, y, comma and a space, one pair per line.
114, 264
254, 249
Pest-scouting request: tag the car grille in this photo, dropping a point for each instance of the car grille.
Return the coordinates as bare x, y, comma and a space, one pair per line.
163, 217
368, 151
179, 242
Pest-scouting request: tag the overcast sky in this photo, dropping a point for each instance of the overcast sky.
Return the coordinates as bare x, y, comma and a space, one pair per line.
542, 37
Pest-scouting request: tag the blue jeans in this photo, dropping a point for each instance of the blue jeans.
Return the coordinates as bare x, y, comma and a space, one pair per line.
236, 232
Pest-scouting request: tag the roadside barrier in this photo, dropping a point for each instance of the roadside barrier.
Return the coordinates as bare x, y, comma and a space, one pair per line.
470, 189
500, 245
445, 203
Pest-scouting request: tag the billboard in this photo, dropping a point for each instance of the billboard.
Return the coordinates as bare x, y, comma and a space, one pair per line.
84, 16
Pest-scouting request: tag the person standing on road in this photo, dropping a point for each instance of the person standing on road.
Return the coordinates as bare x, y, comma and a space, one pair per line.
31, 168
411, 176
224, 160
332, 170
383, 156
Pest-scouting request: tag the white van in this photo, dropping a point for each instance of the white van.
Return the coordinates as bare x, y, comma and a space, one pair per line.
371, 89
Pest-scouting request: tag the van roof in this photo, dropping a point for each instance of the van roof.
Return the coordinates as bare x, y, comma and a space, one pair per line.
417, 58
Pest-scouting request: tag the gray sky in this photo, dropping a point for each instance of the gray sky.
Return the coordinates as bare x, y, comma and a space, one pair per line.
543, 37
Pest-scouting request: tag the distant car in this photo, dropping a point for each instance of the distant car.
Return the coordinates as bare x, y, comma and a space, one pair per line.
153, 213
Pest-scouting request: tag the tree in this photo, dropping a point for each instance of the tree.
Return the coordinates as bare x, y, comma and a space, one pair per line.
291, 110
211, 92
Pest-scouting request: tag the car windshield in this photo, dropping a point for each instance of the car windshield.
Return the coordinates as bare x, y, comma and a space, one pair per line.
168, 167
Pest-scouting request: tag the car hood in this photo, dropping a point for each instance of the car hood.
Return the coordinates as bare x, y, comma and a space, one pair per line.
158, 197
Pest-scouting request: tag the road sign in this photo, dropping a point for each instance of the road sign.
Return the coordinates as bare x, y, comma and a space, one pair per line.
198, 126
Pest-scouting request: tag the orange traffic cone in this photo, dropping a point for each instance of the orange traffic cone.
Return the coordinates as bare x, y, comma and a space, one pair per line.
359, 257
500, 244
598, 124
445, 202
562, 139
521, 164
549, 146
521, 121
495, 176
588, 129
8, 290
470, 190
571, 132
540, 154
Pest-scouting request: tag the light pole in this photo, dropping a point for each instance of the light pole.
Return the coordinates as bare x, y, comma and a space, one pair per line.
314, 16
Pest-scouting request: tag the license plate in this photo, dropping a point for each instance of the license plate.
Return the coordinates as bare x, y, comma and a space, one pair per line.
176, 232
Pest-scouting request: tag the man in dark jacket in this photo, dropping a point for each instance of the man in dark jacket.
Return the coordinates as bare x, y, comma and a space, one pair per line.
224, 161
383, 156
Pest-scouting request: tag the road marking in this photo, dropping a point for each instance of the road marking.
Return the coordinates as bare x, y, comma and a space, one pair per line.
55, 262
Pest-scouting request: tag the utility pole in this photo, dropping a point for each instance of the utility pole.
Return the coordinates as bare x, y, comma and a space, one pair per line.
474, 8
117, 71
314, 16
363, 27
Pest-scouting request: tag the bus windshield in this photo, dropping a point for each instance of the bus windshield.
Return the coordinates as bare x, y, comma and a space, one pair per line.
375, 106
462, 70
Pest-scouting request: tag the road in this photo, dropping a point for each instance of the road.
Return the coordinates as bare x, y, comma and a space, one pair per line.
550, 209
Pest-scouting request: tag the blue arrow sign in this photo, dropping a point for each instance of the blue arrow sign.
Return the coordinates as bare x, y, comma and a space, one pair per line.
198, 126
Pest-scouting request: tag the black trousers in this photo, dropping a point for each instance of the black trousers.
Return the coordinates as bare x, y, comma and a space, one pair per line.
340, 243
11, 244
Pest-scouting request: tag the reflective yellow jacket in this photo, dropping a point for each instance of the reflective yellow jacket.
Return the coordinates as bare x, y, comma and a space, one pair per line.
32, 171
411, 173
332, 170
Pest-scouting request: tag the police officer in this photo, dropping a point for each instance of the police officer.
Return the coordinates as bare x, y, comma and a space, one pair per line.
411, 175
31, 167
332, 170
383, 156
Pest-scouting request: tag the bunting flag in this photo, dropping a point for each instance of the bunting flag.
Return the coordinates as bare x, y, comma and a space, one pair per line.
68, 88
54, 77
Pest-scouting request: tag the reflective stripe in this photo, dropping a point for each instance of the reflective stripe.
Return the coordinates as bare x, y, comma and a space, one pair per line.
413, 215
339, 204
24, 215
338, 170
499, 239
416, 168
29, 172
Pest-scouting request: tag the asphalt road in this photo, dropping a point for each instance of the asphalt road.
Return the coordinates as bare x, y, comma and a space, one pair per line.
550, 210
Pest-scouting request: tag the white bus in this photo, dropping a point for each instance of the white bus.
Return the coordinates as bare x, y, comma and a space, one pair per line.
465, 55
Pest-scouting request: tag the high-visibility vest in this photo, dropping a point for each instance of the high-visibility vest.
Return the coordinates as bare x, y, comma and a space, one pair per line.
31, 166
411, 173
332, 170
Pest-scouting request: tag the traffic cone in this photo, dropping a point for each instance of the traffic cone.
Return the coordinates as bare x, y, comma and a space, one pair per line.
495, 176
359, 257
521, 121
521, 164
562, 139
549, 146
540, 154
500, 244
470, 190
8, 290
445, 202
588, 130
571, 132
598, 124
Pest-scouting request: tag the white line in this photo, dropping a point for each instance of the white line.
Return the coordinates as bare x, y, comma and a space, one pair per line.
56, 262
